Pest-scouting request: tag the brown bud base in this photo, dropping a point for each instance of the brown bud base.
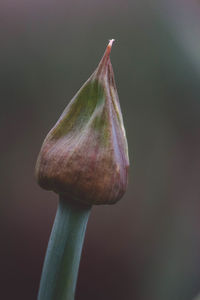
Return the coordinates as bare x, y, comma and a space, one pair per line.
85, 155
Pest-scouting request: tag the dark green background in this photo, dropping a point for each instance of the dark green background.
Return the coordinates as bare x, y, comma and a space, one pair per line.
146, 247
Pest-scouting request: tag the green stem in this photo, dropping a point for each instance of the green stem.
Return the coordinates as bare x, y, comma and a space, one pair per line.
60, 270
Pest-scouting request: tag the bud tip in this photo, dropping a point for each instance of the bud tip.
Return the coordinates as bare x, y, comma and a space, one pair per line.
109, 47
111, 42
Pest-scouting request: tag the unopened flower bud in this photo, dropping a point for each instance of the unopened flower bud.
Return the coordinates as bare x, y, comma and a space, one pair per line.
84, 157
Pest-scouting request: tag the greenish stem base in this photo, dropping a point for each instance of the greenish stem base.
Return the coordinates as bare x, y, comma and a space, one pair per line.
61, 264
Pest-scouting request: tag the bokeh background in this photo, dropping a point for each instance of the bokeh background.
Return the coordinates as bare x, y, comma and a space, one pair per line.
146, 247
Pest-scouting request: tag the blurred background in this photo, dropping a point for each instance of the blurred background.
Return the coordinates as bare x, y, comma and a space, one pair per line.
146, 247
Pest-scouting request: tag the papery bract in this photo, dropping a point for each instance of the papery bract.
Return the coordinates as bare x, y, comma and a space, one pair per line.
84, 157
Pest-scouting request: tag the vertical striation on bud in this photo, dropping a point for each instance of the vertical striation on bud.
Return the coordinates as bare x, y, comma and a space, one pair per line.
85, 155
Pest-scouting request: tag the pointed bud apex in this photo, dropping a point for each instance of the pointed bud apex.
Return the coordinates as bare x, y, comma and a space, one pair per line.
85, 155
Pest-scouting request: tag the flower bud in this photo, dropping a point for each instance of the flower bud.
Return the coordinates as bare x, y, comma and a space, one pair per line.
84, 157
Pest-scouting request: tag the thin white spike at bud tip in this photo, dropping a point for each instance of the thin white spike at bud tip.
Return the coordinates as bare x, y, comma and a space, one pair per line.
110, 43
108, 49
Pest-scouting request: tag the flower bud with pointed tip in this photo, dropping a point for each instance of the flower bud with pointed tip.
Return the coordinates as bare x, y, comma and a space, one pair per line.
84, 157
